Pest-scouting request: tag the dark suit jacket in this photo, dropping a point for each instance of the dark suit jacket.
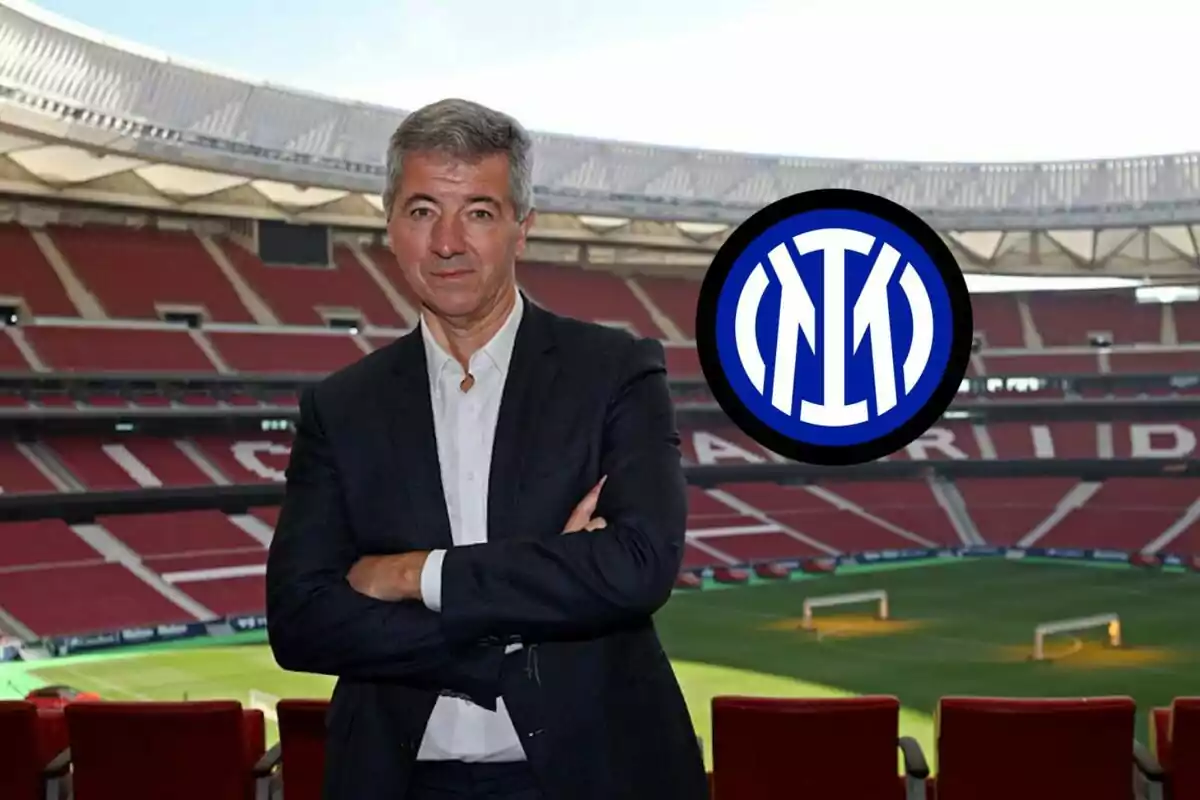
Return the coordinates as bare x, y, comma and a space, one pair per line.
592, 695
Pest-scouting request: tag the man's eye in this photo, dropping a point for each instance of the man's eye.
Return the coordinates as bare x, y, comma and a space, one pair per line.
421, 212
481, 213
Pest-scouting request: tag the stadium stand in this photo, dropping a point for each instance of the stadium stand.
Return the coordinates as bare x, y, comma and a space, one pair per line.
118, 571
598, 296
253, 312
217, 559
299, 295
142, 273
29, 279
731, 525
140, 293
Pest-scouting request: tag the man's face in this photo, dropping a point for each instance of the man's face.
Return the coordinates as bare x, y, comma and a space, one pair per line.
455, 233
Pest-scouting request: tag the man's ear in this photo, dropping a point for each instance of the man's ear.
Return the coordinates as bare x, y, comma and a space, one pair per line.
525, 226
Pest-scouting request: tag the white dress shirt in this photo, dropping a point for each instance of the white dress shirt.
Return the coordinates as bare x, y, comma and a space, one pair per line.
465, 426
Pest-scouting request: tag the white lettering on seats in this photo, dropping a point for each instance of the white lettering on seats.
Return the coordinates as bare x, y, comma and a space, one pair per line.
247, 454
1145, 441
939, 439
710, 449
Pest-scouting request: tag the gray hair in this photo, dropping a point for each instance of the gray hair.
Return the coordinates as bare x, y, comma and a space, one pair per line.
467, 131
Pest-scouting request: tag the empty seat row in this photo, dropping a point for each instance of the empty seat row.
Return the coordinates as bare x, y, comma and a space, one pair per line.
142, 274
987, 748
213, 563
763, 749
125, 273
73, 348
200, 750
128, 273
61, 347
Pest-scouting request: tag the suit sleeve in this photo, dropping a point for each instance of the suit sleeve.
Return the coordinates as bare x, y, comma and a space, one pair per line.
580, 584
317, 622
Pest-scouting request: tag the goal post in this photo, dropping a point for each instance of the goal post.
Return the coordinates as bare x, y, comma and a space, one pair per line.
879, 597
265, 703
1110, 622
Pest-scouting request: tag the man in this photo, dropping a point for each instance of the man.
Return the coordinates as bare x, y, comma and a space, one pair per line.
482, 517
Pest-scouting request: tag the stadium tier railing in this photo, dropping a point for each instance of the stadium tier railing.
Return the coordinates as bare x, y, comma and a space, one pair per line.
77, 507
32, 422
990, 398
76, 382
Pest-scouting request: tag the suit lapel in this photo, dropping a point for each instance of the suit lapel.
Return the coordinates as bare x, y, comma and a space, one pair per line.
530, 383
412, 442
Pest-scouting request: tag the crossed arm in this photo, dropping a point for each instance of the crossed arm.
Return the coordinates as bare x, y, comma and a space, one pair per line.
317, 622
532, 588
579, 585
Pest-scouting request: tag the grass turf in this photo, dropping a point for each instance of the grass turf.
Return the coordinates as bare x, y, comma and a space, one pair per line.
963, 627
958, 627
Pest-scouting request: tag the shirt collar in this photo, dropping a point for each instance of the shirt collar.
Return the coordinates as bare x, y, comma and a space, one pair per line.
498, 350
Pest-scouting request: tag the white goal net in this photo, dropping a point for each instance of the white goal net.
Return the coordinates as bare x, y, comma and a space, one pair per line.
265, 703
1111, 623
877, 597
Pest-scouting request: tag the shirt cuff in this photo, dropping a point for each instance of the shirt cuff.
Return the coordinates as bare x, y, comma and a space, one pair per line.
431, 580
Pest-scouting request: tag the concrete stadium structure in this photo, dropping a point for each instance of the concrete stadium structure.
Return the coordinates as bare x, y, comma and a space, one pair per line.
83, 118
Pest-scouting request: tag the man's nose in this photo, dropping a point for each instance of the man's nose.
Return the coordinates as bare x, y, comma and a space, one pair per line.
448, 239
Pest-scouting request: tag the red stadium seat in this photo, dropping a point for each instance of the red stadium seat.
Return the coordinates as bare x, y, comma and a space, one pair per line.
991, 748
730, 575
302, 747
784, 747
33, 752
1160, 734
200, 750
1175, 738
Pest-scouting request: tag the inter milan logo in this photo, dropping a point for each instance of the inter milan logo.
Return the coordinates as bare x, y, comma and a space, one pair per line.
834, 327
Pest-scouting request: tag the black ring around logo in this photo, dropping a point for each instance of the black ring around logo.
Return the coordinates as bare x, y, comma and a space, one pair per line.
962, 325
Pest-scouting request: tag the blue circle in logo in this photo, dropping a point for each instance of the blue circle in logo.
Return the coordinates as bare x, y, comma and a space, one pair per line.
899, 334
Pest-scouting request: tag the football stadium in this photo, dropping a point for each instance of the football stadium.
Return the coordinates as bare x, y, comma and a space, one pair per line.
181, 253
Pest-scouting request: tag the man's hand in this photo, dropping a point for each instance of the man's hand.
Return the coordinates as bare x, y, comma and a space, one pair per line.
581, 518
392, 577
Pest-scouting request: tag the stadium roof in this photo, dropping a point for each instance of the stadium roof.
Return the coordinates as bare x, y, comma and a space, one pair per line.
86, 118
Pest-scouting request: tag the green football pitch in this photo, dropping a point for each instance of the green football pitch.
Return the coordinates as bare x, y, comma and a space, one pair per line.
961, 626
